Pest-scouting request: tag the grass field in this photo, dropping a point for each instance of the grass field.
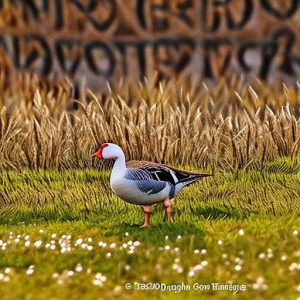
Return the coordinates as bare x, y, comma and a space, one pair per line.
63, 234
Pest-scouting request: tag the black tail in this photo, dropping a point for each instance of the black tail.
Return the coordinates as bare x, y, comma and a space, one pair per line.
191, 178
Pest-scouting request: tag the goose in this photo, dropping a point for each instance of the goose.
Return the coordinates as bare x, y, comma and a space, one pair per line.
143, 182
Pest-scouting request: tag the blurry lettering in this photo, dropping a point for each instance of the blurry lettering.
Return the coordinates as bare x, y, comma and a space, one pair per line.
108, 39
279, 12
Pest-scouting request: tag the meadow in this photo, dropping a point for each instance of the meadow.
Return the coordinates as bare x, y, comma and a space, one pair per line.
63, 234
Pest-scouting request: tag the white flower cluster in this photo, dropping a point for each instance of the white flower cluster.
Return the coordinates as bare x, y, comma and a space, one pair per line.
5, 275
260, 284
197, 268
99, 279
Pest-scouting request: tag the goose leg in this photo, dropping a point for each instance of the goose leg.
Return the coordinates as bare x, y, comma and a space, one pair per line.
147, 212
167, 207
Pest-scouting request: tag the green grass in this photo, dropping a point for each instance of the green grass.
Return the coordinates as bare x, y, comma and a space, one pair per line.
264, 203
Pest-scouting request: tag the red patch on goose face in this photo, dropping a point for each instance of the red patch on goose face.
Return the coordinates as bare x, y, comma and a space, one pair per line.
99, 152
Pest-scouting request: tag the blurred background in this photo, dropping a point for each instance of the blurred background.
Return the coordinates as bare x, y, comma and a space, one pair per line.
95, 41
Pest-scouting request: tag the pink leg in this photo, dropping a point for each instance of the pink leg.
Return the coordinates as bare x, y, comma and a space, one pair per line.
147, 212
167, 207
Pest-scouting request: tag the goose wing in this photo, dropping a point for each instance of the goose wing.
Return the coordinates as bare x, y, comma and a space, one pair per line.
145, 181
160, 172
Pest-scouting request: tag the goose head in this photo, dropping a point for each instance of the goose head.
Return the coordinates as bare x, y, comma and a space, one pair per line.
109, 151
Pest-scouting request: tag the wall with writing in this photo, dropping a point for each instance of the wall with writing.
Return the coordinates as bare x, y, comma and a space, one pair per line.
104, 40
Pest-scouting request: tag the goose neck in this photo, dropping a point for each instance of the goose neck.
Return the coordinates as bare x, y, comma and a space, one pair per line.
119, 167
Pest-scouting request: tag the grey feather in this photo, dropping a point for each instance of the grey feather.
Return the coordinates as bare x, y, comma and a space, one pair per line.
138, 174
150, 187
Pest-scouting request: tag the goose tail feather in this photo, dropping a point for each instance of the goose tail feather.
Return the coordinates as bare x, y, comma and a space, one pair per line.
189, 180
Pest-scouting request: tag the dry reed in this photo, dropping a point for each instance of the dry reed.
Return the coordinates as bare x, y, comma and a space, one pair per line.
231, 125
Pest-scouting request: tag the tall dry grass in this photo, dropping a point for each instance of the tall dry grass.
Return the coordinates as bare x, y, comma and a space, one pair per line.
231, 126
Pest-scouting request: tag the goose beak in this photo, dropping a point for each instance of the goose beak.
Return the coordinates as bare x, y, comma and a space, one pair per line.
97, 154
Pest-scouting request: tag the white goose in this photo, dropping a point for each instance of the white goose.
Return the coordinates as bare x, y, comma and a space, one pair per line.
145, 183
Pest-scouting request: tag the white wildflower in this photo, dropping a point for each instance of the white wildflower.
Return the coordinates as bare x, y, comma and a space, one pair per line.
198, 267
127, 267
238, 268
78, 241
38, 243
191, 273
78, 268
97, 282
30, 270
